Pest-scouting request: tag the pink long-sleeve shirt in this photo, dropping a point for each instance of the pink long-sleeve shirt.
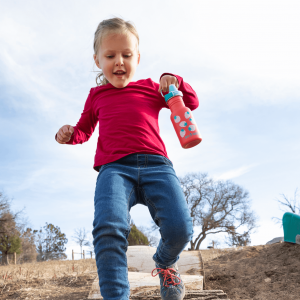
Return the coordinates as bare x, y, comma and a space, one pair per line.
128, 119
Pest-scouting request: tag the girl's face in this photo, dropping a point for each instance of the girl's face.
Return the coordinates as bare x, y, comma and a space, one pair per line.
118, 52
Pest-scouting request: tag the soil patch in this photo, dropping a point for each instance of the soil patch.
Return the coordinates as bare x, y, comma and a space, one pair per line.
259, 272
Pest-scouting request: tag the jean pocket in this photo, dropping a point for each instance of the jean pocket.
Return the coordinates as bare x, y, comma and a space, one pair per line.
167, 161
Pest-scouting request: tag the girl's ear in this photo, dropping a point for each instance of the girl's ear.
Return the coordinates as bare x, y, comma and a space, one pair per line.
139, 57
96, 61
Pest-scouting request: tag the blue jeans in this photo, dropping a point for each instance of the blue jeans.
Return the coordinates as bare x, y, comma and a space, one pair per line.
136, 179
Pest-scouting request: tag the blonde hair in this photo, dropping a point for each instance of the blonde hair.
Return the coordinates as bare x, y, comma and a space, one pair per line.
114, 25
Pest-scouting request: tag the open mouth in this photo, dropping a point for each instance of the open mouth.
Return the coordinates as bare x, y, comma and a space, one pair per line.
119, 73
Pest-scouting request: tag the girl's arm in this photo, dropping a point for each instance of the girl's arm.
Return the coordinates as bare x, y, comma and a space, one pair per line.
86, 124
190, 98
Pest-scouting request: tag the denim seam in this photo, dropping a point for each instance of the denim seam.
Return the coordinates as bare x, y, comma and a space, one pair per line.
167, 161
149, 202
154, 207
145, 158
128, 223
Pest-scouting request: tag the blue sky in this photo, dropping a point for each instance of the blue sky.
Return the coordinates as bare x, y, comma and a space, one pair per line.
241, 58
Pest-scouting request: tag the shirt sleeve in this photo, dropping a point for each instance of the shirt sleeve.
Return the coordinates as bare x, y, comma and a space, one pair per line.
86, 124
190, 97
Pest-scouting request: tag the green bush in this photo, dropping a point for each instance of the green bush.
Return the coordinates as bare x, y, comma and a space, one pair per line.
136, 237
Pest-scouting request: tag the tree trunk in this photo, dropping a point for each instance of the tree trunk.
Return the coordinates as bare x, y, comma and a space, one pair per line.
192, 245
5, 260
200, 241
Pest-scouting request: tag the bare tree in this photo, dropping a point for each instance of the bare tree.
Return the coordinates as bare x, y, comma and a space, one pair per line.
81, 238
5, 206
50, 243
214, 244
217, 206
147, 231
29, 253
236, 239
286, 204
4, 202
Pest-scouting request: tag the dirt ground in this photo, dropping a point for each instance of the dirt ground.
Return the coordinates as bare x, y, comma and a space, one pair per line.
65, 288
260, 273
270, 272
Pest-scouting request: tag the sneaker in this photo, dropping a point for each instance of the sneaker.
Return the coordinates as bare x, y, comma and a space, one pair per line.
171, 285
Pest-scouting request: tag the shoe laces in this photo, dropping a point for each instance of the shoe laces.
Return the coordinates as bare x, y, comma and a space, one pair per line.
167, 275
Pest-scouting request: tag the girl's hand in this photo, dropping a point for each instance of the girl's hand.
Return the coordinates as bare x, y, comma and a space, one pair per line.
165, 81
64, 134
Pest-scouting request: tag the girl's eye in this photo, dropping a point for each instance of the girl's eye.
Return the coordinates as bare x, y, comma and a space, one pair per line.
111, 56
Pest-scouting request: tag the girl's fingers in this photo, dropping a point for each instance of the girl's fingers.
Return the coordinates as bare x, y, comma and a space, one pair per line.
59, 140
63, 137
165, 85
64, 134
60, 137
65, 130
173, 80
166, 81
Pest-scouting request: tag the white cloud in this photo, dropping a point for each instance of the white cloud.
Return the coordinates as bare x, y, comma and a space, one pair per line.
235, 172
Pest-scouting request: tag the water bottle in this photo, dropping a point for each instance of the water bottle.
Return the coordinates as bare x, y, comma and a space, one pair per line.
182, 119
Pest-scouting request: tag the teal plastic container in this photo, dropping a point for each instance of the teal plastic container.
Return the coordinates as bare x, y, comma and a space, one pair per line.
291, 227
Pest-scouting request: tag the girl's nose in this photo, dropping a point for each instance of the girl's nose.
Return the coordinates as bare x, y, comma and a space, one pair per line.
119, 61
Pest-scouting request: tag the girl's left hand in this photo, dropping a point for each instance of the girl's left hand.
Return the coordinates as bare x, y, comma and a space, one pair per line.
165, 81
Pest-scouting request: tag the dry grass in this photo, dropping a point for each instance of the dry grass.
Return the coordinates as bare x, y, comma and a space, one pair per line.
46, 270
51, 280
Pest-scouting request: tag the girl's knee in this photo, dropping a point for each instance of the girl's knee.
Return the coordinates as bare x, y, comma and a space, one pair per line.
186, 232
105, 232
178, 235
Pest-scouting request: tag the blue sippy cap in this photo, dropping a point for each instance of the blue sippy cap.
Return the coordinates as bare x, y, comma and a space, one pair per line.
172, 92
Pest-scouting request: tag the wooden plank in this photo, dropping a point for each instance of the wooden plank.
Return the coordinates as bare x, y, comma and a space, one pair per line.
139, 259
141, 264
144, 282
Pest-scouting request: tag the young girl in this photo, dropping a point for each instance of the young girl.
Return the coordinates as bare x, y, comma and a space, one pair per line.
132, 162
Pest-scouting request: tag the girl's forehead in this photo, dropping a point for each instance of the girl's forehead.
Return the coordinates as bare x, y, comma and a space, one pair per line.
119, 42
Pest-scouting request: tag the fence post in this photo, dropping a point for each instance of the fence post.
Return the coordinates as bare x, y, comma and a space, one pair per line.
72, 254
91, 254
15, 257
83, 254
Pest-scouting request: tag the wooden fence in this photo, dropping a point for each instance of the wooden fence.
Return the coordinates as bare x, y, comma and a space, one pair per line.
83, 254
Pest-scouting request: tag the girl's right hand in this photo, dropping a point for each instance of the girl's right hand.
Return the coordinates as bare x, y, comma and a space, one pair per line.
64, 134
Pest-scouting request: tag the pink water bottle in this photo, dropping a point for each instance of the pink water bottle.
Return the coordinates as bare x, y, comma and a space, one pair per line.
182, 119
